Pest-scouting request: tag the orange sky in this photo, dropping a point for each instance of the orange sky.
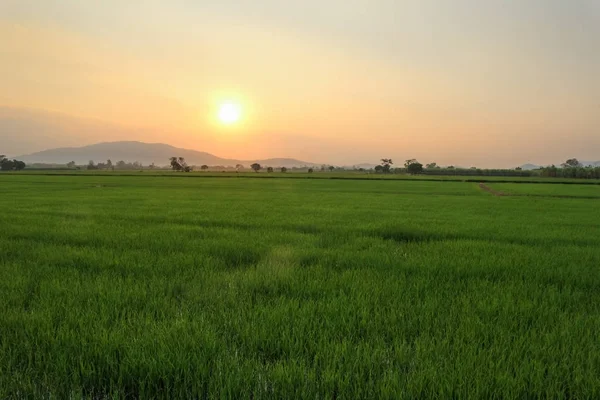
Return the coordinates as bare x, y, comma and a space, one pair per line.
460, 82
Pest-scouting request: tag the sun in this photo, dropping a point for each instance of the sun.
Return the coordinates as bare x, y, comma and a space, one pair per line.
229, 113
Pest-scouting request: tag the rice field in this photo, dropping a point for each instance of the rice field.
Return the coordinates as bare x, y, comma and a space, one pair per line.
549, 190
173, 287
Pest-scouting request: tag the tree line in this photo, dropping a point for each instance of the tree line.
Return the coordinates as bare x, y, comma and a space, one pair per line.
112, 166
11, 165
571, 168
179, 164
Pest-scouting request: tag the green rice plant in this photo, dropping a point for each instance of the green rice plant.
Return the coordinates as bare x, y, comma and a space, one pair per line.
171, 287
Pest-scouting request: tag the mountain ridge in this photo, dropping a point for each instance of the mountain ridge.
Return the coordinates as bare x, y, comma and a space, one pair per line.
146, 153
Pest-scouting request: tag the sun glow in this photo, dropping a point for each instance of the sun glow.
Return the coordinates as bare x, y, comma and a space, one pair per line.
229, 113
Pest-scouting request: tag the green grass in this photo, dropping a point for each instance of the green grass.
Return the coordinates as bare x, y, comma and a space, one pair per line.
154, 287
584, 191
356, 175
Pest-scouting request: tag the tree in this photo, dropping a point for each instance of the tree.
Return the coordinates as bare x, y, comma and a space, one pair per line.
109, 164
121, 164
152, 166
239, 167
204, 167
310, 170
180, 162
91, 165
283, 169
9, 165
323, 168
256, 167
378, 169
571, 163
386, 165
413, 167
71, 164
431, 165
177, 163
269, 169
6, 164
331, 168
187, 168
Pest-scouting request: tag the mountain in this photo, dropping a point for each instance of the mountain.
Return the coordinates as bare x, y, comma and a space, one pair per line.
146, 153
529, 167
591, 163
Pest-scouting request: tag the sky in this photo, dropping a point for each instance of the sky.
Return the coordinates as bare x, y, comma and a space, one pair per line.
487, 83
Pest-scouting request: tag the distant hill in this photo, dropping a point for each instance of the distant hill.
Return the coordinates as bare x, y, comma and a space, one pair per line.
529, 167
146, 153
591, 163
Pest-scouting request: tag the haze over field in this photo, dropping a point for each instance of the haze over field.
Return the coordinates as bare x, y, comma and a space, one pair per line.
493, 84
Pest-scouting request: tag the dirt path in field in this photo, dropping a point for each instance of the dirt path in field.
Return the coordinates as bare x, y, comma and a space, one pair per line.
490, 190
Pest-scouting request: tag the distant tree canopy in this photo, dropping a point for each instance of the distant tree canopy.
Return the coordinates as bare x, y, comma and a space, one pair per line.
431, 165
386, 165
413, 167
331, 168
239, 167
269, 169
11, 165
568, 170
283, 169
179, 164
589, 172
572, 163
310, 170
107, 165
134, 165
204, 167
256, 167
